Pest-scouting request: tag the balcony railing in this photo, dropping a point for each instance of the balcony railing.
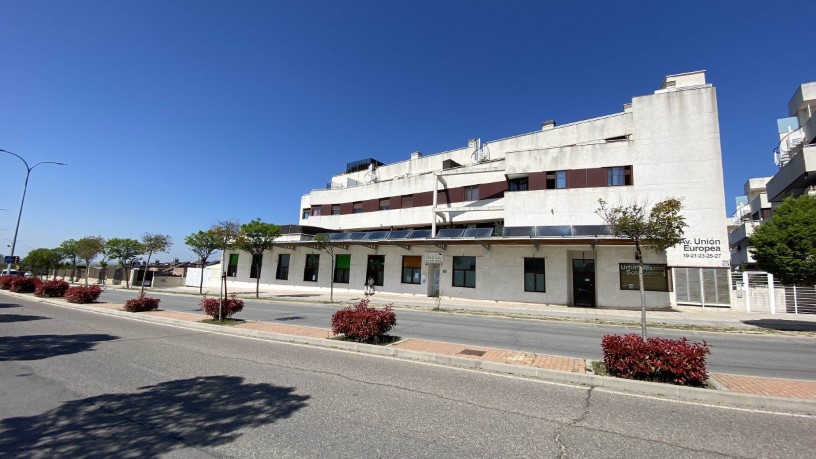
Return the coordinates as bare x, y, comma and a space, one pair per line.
788, 146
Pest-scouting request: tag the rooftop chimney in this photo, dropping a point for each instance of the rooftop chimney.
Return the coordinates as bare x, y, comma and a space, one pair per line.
547, 125
416, 155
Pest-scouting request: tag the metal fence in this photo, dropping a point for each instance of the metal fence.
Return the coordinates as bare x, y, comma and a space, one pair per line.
764, 294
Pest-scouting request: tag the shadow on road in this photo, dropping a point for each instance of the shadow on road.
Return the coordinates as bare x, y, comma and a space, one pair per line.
782, 325
4, 318
297, 295
37, 347
9, 305
285, 319
198, 412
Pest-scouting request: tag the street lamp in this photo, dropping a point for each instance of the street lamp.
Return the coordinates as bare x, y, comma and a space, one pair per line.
25, 187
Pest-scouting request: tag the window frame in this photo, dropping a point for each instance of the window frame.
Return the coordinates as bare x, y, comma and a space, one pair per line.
255, 270
465, 278
232, 269
357, 207
472, 193
311, 268
377, 272
415, 273
341, 275
648, 286
533, 270
384, 204
282, 271
335, 209
518, 184
617, 173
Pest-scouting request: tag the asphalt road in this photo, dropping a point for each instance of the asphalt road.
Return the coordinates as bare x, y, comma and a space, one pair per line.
757, 355
78, 384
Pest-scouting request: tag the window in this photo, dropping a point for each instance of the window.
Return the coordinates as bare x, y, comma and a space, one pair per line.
556, 180
232, 266
315, 211
534, 275
312, 266
560, 179
464, 272
376, 269
385, 204
517, 184
283, 267
335, 209
358, 207
342, 267
255, 269
307, 213
407, 201
655, 278
618, 176
411, 270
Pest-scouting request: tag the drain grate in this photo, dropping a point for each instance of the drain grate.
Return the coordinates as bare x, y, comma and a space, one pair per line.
473, 352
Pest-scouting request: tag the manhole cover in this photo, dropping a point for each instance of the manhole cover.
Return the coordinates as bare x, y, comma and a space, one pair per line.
473, 352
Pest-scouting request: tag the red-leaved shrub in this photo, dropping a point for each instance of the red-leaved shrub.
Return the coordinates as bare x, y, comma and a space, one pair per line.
83, 295
5, 281
52, 289
24, 284
142, 304
229, 306
363, 324
675, 361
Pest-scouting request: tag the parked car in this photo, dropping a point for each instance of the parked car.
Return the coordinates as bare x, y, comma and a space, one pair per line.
12, 272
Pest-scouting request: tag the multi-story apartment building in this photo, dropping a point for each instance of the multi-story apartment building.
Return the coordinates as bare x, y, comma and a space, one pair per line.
796, 153
752, 209
515, 219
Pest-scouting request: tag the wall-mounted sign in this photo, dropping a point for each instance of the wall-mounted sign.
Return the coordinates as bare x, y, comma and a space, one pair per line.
655, 277
699, 247
433, 258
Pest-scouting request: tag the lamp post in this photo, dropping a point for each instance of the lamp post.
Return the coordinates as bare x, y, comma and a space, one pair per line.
25, 188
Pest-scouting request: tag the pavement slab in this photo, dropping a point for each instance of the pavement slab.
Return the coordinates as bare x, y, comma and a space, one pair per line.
777, 387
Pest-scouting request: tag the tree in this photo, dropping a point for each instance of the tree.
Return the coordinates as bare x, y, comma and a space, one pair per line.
785, 246
87, 249
657, 229
256, 237
152, 243
68, 249
203, 244
42, 260
323, 244
124, 250
227, 232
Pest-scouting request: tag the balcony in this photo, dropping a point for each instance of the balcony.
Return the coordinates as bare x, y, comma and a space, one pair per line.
795, 176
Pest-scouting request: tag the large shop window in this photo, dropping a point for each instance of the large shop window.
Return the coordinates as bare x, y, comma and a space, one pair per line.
312, 266
376, 269
655, 277
342, 268
464, 272
411, 270
232, 266
282, 272
255, 269
534, 275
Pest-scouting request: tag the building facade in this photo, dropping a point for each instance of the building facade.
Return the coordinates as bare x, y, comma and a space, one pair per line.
515, 219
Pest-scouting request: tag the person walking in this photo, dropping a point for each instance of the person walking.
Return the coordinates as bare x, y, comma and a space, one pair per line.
369, 286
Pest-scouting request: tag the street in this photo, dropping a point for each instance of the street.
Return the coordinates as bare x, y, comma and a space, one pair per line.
756, 355
80, 384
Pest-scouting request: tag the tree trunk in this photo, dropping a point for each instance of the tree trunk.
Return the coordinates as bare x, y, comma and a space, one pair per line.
331, 283
144, 277
127, 277
201, 279
257, 279
87, 271
642, 291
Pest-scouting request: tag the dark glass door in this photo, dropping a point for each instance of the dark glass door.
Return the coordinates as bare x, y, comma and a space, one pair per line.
583, 282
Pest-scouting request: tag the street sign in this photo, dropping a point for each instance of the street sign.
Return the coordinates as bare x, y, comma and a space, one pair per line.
9, 259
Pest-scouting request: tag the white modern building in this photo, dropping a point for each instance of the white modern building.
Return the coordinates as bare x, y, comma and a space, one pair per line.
514, 219
752, 209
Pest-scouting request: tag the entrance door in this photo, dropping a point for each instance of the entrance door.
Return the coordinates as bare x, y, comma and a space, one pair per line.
583, 282
433, 282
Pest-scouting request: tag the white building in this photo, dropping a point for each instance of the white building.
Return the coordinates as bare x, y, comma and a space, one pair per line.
514, 219
752, 209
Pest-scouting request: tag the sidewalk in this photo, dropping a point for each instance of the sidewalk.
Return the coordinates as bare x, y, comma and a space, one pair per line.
798, 396
709, 317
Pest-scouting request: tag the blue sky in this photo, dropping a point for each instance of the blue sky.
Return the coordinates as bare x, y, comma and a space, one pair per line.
175, 114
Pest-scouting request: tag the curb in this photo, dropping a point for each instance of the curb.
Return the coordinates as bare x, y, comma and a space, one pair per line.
718, 397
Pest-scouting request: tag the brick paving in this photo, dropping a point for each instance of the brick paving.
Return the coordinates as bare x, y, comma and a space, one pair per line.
298, 330
793, 388
550, 362
188, 316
